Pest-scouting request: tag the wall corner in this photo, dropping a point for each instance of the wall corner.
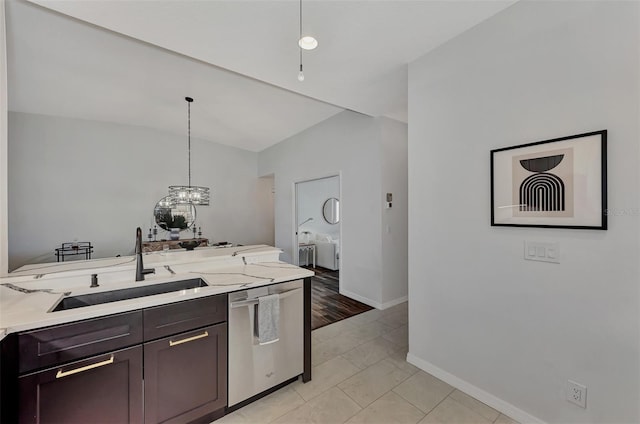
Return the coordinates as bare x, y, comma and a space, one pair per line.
4, 162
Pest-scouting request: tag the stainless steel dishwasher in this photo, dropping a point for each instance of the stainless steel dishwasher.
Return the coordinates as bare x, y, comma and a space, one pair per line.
254, 368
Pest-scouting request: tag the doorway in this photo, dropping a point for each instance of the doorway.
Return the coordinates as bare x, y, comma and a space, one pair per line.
318, 230
318, 223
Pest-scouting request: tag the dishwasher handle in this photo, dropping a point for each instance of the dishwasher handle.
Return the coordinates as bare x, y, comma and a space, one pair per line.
249, 302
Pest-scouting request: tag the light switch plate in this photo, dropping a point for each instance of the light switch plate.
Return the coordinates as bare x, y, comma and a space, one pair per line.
542, 251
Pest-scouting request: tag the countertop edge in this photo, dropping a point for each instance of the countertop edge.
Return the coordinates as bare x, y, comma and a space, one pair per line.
97, 311
25, 304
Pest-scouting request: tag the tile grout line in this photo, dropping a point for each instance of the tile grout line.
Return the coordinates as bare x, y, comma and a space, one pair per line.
297, 407
361, 369
398, 347
443, 399
392, 328
339, 354
354, 401
335, 385
358, 345
390, 390
470, 409
431, 410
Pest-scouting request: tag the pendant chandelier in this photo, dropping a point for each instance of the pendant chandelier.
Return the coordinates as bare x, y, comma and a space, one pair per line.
181, 194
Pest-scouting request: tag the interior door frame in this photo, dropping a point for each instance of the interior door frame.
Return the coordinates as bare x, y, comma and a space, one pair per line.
295, 254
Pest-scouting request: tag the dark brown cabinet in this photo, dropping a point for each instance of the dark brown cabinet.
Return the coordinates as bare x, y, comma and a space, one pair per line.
166, 364
85, 371
186, 375
104, 388
166, 320
185, 356
60, 344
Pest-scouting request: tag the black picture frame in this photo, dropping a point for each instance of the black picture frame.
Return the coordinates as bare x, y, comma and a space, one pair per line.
525, 194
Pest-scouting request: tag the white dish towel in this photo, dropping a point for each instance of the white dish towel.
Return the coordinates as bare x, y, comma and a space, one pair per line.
268, 316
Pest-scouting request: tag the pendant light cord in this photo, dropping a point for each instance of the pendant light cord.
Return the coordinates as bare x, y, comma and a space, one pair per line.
189, 138
188, 194
300, 38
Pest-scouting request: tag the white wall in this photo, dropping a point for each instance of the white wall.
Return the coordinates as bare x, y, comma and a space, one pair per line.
394, 220
311, 198
266, 192
4, 238
348, 144
96, 181
512, 331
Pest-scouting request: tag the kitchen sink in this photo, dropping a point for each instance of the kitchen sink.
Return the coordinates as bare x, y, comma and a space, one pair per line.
80, 301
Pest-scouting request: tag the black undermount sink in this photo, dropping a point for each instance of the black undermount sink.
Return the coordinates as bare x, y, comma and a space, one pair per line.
91, 299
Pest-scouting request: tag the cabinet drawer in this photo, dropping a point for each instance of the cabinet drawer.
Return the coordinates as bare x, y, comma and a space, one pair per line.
175, 318
68, 342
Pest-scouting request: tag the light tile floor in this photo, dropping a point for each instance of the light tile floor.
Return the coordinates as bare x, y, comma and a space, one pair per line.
360, 375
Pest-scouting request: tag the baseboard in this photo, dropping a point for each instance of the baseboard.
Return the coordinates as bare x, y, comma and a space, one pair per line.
373, 303
496, 403
359, 298
394, 302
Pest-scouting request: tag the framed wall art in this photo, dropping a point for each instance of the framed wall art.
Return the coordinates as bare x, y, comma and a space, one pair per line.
558, 183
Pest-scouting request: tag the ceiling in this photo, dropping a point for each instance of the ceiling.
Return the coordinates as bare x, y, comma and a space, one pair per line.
238, 59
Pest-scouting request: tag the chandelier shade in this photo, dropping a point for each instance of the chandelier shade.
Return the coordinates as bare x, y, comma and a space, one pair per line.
181, 195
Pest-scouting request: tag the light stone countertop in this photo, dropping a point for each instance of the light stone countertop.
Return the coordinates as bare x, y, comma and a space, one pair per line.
224, 270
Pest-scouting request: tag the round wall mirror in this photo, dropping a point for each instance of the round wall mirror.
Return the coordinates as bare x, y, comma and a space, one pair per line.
174, 216
331, 210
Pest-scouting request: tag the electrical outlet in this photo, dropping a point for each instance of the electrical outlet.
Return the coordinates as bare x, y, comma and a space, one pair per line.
577, 393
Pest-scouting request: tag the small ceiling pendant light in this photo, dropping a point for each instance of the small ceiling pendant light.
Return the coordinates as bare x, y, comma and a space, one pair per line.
305, 43
308, 42
180, 194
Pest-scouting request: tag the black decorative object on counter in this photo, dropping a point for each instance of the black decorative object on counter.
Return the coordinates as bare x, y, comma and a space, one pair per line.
190, 245
161, 245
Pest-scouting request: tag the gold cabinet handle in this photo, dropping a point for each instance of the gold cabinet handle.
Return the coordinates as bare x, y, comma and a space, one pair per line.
189, 339
61, 373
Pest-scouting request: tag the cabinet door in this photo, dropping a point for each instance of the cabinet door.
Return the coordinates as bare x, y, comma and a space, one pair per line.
186, 375
105, 388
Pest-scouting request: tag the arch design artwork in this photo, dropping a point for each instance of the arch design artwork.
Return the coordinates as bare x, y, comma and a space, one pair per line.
542, 191
542, 164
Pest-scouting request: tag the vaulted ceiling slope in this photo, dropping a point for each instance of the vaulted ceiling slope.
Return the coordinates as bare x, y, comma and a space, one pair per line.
360, 64
65, 67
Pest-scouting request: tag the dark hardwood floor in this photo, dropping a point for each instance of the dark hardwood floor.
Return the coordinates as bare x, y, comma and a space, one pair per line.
327, 304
